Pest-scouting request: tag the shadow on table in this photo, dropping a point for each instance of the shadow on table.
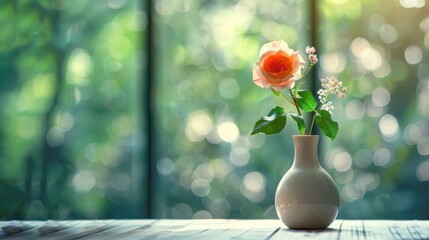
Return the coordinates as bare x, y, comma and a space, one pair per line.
323, 231
311, 230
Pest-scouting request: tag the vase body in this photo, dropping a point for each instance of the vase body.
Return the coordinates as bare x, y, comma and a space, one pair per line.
306, 197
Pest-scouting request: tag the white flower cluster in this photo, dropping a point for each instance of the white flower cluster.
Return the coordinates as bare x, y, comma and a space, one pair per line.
330, 86
311, 56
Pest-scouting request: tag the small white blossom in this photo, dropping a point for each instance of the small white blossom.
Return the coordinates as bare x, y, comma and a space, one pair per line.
310, 50
313, 58
330, 86
342, 93
328, 107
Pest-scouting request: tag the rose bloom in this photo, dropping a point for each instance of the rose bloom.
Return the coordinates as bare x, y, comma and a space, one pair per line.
278, 67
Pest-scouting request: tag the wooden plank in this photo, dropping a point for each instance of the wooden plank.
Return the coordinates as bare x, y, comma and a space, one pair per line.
222, 229
19, 229
138, 229
332, 232
259, 233
79, 229
422, 228
198, 229
408, 230
208, 234
123, 229
399, 232
354, 229
258, 229
243, 229
204, 229
376, 229
210, 229
155, 230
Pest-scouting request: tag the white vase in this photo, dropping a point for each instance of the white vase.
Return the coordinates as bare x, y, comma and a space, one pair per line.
306, 197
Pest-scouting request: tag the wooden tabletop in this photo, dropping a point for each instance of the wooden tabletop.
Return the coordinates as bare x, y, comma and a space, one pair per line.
209, 229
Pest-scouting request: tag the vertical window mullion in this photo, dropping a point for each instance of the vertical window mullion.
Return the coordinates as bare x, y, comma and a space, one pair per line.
148, 111
314, 30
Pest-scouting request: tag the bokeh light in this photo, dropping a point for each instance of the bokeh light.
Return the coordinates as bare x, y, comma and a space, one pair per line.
422, 171
71, 97
384, 128
228, 131
389, 126
412, 3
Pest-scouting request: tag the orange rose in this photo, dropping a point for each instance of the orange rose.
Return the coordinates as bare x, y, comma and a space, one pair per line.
278, 67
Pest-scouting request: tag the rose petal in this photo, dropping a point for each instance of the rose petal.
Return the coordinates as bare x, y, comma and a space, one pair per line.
280, 88
275, 46
258, 77
266, 80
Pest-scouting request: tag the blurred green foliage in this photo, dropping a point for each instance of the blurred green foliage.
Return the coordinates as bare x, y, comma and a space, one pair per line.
208, 164
69, 123
72, 75
380, 158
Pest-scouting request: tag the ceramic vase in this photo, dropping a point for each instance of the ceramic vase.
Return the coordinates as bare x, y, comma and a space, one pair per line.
306, 197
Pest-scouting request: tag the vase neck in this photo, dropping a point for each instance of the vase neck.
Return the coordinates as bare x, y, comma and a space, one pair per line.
306, 155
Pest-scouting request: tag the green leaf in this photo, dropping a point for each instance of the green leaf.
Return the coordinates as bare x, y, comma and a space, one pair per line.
273, 123
300, 121
306, 101
328, 126
275, 92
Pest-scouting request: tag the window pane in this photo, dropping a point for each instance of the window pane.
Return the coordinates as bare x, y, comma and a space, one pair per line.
380, 158
208, 165
69, 132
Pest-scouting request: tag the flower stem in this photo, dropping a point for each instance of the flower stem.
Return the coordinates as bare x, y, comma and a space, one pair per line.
303, 76
294, 102
317, 110
286, 97
297, 109
308, 70
312, 121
